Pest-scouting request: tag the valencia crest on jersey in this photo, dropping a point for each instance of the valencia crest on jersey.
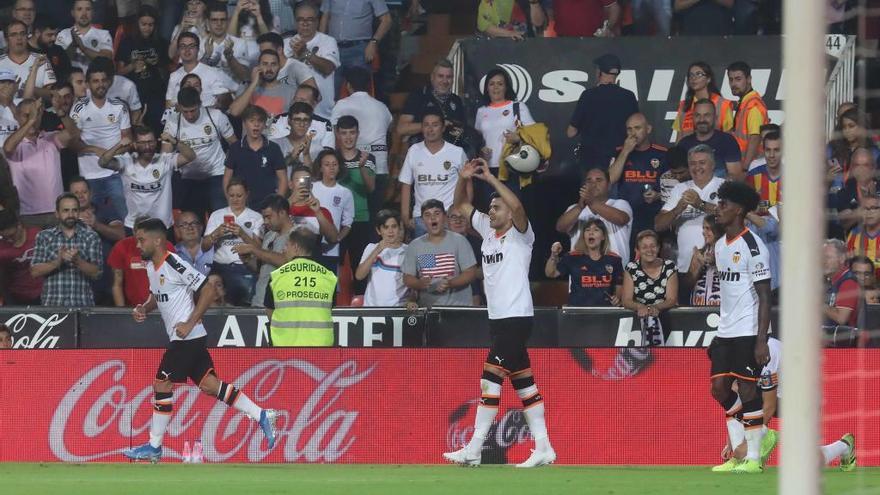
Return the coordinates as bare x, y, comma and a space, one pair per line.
741, 262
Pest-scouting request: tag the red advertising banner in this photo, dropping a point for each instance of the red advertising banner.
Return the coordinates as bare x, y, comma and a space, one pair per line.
604, 406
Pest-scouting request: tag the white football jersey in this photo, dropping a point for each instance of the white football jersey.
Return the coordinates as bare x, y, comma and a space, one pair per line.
506, 262
101, 127
324, 46
147, 189
245, 51
339, 201
173, 283
493, 120
123, 89
689, 225
740, 262
202, 137
320, 128
214, 82
96, 39
45, 74
769, 379
432, 175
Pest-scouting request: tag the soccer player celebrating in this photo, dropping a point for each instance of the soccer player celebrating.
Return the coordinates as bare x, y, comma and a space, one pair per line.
740, 348
172, 285
507, 250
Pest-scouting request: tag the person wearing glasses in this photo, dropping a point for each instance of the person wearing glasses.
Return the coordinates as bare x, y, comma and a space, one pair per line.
229, 53
701, 84
189, 230
215, 82
146, 173
317, 50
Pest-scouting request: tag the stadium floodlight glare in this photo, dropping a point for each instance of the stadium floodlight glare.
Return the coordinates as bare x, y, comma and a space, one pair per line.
803, 59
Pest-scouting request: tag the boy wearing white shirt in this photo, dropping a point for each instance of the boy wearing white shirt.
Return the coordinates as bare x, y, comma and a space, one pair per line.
430, 171
382, 263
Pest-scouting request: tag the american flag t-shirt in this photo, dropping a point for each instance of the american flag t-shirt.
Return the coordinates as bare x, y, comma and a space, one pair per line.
436, 265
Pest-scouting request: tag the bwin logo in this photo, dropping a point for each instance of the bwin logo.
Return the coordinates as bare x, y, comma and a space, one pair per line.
520, 80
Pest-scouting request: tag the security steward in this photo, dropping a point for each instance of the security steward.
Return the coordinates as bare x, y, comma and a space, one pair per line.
300, 296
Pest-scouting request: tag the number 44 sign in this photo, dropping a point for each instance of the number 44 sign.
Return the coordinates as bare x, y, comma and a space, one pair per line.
834, 44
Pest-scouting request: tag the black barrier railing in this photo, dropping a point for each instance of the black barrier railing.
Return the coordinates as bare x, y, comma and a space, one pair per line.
37, 327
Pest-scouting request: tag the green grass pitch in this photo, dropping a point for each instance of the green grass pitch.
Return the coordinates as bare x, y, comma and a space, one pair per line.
265, 479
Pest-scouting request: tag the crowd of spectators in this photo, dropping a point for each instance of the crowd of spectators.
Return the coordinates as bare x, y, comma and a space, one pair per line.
257, 117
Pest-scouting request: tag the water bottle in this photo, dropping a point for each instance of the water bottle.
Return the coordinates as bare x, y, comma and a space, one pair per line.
187, 453
197, 456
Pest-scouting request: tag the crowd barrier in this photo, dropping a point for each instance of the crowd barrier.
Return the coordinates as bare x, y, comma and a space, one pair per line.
101, 328
604, 406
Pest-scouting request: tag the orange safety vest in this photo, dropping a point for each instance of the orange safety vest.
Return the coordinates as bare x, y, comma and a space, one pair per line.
740, 119
686, 117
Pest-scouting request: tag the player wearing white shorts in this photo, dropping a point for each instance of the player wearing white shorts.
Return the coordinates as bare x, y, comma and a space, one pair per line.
506, 251
172, 285
769, 384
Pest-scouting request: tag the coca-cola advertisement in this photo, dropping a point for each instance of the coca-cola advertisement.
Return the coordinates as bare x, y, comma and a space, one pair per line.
43, 329
604, 406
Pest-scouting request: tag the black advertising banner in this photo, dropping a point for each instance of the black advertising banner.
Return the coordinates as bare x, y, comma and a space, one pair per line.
386, 327
36, 327
469, 327
549, 75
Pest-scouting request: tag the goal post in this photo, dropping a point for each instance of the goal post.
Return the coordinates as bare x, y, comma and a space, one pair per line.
803, 221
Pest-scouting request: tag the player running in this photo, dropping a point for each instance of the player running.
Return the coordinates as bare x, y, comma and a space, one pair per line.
740, 350
172, 285
844, 449
507, 251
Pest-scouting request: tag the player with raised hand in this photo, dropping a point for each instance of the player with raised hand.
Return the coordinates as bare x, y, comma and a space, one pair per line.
507, 251
740, 349
172, 285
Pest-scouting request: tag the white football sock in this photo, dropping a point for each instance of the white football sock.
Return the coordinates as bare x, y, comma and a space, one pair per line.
736, 432
753, 437
537, 425
484, 418
834, 450
244, 404
157, 428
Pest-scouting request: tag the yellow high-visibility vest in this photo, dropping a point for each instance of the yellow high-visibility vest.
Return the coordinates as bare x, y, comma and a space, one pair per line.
303, 291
